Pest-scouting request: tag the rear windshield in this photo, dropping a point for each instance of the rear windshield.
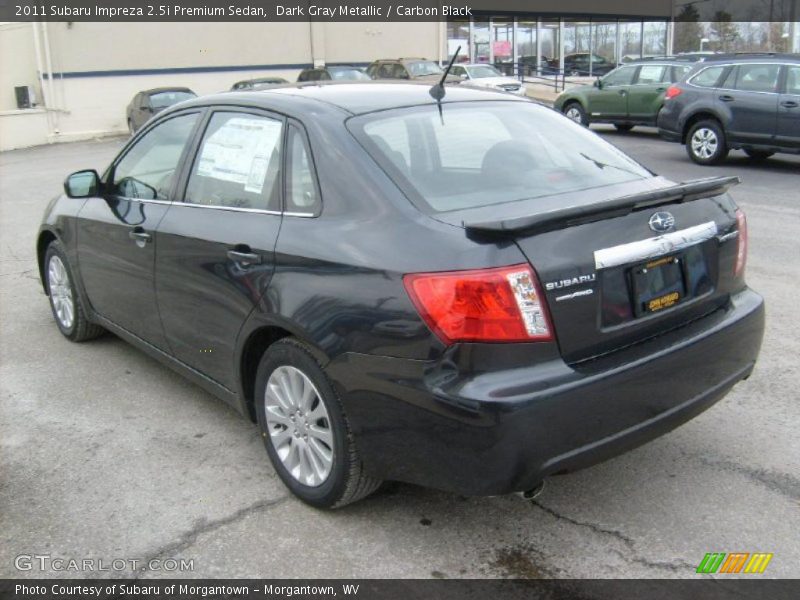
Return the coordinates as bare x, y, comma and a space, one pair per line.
486, 153
165, 99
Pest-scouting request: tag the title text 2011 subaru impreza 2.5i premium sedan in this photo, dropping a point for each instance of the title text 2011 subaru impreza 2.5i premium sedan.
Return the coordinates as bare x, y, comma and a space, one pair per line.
470, 296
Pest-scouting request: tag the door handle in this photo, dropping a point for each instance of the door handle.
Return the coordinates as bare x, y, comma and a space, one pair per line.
622, 92
726, 98
140, 235
661, 89
790, 104
244, 257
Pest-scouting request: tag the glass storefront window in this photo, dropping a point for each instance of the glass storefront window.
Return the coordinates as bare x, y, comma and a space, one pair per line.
630, 34
655, 39
503, 45
526, 47
604, 41
458, 35
480, 42
550, 45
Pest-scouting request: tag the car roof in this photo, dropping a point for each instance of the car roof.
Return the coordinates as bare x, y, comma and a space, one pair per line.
353, 97
160, 90
752, 57
402, 59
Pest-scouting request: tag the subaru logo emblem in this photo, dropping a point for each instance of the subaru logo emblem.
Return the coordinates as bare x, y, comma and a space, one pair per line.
661, 222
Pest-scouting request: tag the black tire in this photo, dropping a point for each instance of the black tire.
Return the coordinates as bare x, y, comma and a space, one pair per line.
574, 112
623, 127
346, 482
80, 329
758, 155
716, 148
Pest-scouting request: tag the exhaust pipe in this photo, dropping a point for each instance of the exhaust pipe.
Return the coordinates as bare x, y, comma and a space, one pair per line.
532, 493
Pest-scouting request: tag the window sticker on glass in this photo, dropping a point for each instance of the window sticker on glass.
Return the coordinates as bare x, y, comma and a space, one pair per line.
240, 152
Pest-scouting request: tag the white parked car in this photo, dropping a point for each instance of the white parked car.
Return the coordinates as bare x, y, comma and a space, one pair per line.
486, 76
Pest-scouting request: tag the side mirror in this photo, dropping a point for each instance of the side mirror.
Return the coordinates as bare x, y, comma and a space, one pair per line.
598, 83
146, 108
463, 76
82, 184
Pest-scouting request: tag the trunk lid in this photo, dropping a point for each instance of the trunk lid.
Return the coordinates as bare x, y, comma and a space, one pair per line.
609, 278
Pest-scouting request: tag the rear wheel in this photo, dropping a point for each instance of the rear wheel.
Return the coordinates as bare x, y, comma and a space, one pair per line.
758, 155
305, 431
64, 301
623, 127
574, 112
705, 143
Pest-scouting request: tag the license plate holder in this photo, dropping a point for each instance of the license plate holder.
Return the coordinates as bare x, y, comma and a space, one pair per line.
658, 284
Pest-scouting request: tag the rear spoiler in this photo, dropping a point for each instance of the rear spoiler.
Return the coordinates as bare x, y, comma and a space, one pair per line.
574, 215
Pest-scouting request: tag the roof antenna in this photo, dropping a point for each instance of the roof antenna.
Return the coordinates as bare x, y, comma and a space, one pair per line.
437, 91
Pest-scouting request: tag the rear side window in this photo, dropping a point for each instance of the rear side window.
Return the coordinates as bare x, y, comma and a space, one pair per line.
757, 78
302, 195
708, 77
649, 74
148, 169
793, 80
238, 163
621, 76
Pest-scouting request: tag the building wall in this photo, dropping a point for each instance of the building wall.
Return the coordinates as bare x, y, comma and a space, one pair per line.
98, 67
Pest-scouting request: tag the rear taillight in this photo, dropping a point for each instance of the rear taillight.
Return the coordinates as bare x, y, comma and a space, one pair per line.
485, 305
672, 92
741, 243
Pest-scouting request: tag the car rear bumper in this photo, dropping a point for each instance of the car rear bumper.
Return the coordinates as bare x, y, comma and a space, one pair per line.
499, 432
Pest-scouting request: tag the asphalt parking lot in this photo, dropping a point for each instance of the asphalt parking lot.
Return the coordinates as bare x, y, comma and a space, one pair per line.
106, 454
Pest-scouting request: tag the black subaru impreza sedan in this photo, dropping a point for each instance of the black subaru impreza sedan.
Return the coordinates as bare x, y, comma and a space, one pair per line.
470, 293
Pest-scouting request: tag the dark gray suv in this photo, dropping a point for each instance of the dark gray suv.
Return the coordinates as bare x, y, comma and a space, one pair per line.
735, 102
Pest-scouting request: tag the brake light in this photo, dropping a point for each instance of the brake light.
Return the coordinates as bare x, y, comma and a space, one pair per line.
741, 243
672, 92
485, 305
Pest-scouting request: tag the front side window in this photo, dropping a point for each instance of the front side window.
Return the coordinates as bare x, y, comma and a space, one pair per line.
238, 163
620, 76
301, 187
757, 78
679, 73
487, 153
708, 77
147, 170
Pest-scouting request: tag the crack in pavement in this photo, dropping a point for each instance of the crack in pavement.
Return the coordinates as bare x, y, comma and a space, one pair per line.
675, 566
780, 483
202, 526
596, 528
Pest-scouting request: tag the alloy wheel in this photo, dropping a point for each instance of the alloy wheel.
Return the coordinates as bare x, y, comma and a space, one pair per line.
61, 292
704, 143
299, 425
574, 114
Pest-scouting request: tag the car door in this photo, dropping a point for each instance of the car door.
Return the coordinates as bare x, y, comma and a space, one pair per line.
116, 246
789, 108
646, 94
611, 100
749, 95
216, 245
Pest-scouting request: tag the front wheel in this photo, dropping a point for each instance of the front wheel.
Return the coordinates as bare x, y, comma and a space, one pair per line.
64, 300
574, 112
305, 431
706, 144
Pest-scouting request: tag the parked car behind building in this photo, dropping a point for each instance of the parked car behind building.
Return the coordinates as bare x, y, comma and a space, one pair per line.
249, 84
419, 69
735, 102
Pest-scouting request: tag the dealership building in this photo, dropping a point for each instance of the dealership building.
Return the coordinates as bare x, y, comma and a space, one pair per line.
63, 81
